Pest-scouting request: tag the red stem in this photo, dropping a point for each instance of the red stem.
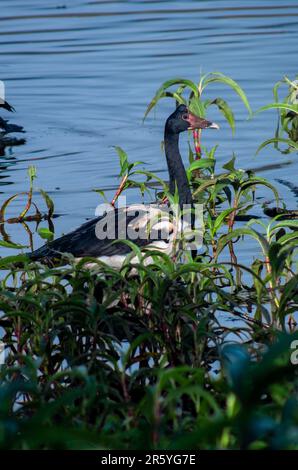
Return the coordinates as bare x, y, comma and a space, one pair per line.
196, 137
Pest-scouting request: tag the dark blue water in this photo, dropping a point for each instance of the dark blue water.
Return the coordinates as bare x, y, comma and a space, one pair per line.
80, 75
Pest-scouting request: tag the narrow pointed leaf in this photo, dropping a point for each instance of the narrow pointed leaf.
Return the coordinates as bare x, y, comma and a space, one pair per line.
276, 140
159, 94
221, 78
225, 109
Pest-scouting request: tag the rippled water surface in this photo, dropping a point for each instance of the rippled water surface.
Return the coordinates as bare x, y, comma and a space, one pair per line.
80, 75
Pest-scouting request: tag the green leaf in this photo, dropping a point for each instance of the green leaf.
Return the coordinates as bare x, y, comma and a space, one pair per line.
277, 259
258, 180
32, 173
123, 160
275, 89
284, 106
160, 92
288, 237
225, 239
212, 182
7, 202
219, 219
45, 233
293, 224
211, 153
288, 292
9, 260
289, 142
101, 192
12, 245
226, 111
49, 202
221, 78
197, 106
202, 163
230, 166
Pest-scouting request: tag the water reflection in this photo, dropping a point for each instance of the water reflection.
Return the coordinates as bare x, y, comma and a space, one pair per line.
9, 143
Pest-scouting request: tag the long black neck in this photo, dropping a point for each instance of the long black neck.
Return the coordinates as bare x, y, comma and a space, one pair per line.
176, 168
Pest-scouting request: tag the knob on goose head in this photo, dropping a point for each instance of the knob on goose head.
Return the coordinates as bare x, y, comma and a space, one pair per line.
182, 119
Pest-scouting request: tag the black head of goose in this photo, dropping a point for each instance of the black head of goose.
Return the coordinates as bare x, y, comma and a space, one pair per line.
97, 237
181, 120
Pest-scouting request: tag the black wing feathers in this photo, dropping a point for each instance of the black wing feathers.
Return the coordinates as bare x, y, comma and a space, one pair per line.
84, 241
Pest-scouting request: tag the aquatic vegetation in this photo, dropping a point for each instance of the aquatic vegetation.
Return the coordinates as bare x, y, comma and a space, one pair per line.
287, 124
189, 352
194, 99
25, 216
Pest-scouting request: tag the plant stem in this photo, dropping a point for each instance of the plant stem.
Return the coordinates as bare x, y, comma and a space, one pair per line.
119, 190
197, 143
